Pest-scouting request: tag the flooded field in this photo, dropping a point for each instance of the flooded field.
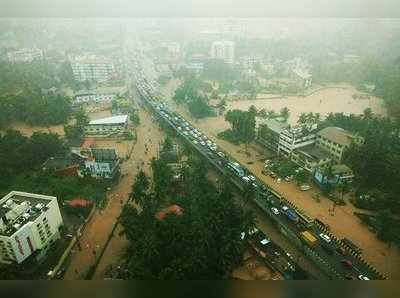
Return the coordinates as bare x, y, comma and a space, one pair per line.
329, 100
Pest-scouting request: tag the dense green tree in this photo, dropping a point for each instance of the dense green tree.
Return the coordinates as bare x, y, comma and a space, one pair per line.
284, 113
140, 188
203, 242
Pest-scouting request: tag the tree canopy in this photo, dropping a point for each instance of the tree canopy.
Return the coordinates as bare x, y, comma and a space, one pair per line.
203, 242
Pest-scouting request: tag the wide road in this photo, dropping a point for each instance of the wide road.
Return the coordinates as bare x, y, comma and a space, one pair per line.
266, 198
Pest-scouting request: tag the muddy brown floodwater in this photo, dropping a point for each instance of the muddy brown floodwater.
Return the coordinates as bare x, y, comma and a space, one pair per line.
343, 223
94, 237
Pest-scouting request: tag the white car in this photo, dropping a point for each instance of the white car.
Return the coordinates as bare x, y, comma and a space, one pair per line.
252, 178
362, 277
285, 208
185, 133
325, 237
220, 154
195, 142
275, 211
246, 179
202, 143
179, 128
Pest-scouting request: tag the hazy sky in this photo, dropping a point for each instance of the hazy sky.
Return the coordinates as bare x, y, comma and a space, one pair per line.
201, 8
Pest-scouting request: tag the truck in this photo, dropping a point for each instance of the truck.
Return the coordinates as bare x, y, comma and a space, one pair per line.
309, 238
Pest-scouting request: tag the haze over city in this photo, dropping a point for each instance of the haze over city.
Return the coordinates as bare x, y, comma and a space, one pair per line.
189, 145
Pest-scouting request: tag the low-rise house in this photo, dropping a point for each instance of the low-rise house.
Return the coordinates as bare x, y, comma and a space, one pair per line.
98, 95
333, 176
29, 224
102, 163
107, 126
336, 140
26, 55
302, 78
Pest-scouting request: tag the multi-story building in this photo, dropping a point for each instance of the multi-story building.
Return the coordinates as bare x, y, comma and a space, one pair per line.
336, 140
224, 50
311, 157
26, 55
29, 224
293, 138
268, 132
92, 68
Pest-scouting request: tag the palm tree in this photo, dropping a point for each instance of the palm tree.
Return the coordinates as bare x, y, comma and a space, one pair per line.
302, 118
284, 112
271, 114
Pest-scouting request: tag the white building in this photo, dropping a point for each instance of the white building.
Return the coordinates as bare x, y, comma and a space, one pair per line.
92, 68
293, 138
29, 224
224, 50
102, 94
102, 163
107, 126
26, 55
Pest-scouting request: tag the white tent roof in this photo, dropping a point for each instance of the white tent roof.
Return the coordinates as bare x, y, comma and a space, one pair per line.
120, 119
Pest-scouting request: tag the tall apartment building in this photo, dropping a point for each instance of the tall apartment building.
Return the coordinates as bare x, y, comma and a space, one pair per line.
293, 138
224, 50
29, 223
26, 55
92, 68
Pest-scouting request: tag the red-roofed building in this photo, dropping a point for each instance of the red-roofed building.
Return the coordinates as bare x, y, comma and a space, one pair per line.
175, 209
78, 202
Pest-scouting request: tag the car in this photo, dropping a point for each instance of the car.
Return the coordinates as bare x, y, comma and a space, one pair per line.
305, 187
242, 235
179, 128
195, 142
252, 178
341, 251
288, 178
325, 237
185, 133
347, 264
275, 211
202, 143
363, 277
285, 208
279, 180
246, 179
220, 154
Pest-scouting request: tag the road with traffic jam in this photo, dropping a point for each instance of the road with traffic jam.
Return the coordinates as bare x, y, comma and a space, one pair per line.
339, 261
